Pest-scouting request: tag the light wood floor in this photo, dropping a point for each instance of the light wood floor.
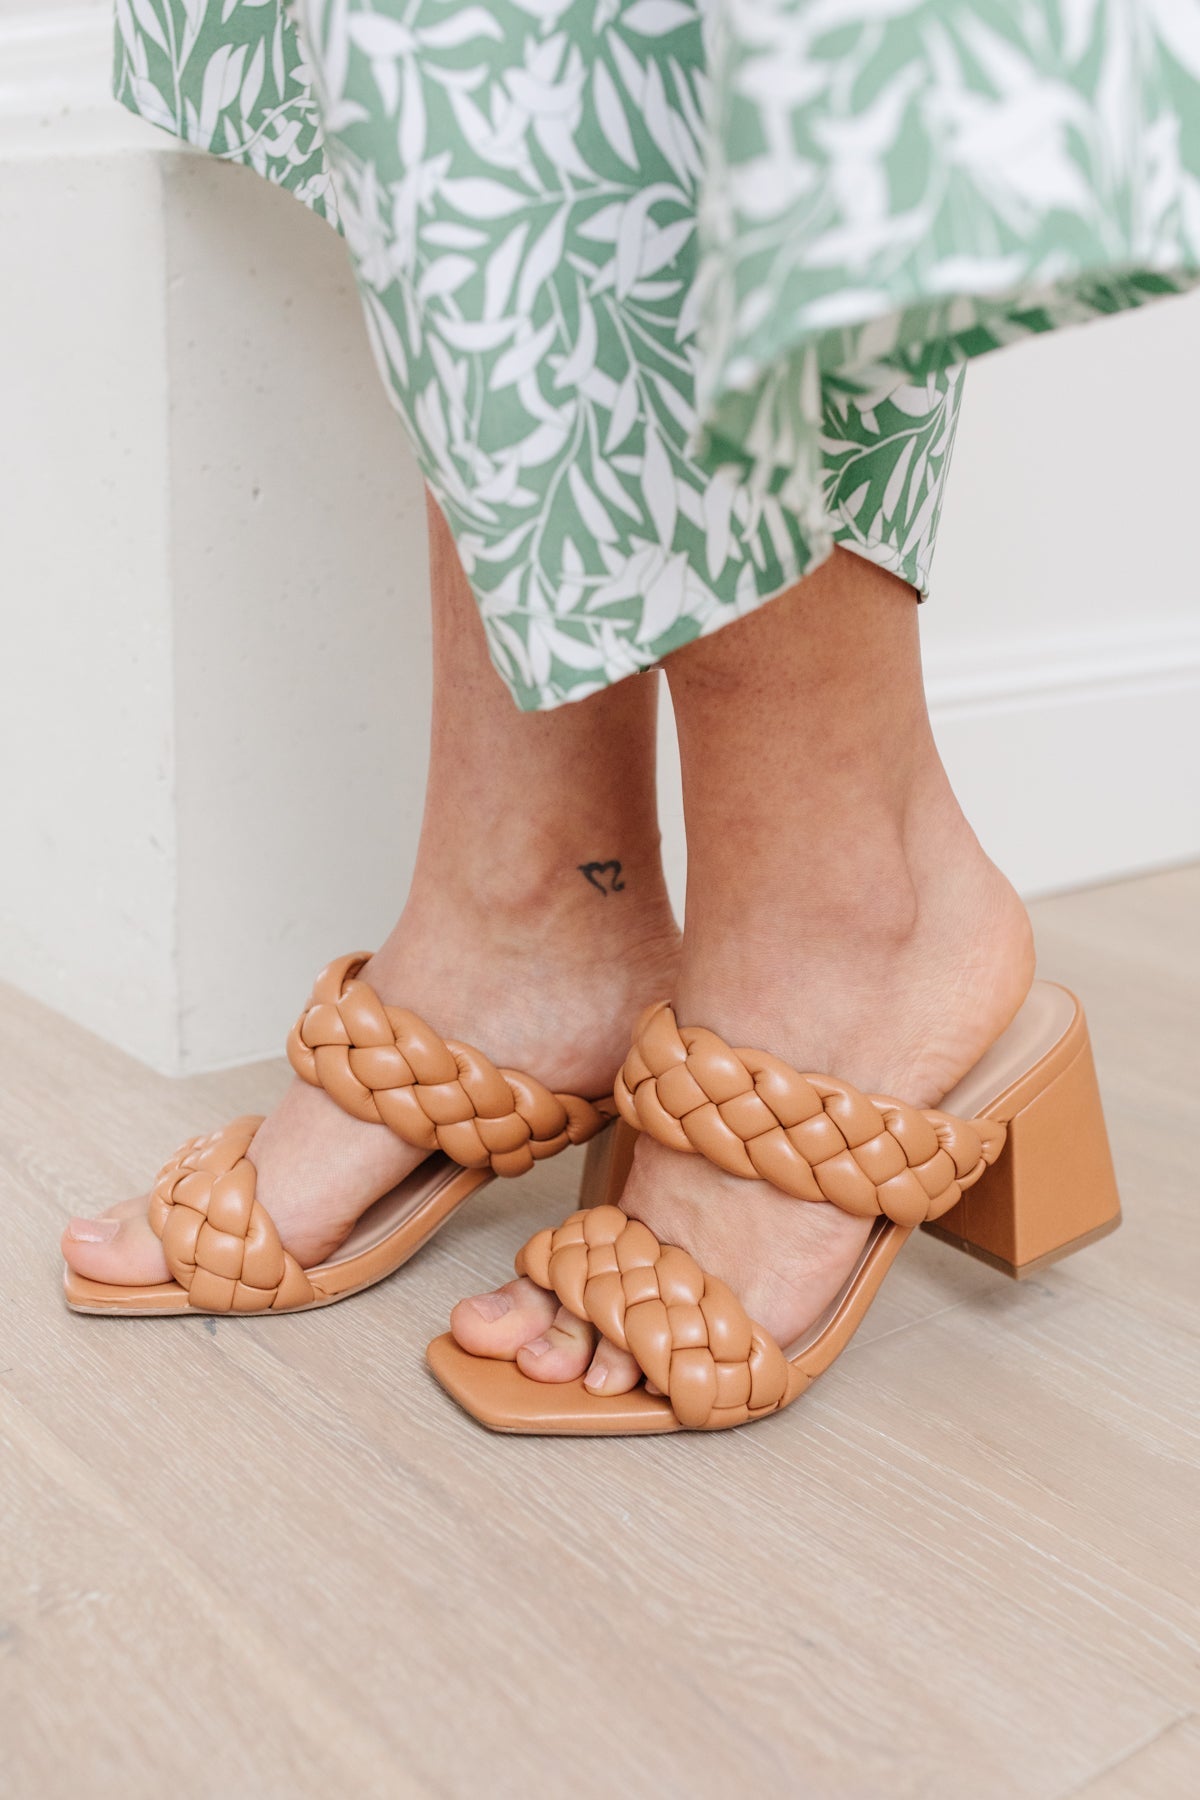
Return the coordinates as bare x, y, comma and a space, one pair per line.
269, 1557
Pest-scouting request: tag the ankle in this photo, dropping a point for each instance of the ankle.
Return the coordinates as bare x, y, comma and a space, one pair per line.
898, 984
522, 889
831, 899
550, 977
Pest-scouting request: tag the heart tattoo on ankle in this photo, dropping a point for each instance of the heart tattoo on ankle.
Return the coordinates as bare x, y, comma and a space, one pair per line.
596, 871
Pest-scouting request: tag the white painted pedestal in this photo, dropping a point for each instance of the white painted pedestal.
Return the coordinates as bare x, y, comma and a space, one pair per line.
214, 668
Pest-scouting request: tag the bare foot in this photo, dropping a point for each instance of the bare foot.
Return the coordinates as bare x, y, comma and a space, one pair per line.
901, 999
550, 984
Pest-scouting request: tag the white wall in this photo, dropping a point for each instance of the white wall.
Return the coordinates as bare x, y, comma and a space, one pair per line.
214, 652
1062, 638
1074, 484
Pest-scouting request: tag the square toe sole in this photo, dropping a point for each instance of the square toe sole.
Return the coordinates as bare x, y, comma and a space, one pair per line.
499, 1396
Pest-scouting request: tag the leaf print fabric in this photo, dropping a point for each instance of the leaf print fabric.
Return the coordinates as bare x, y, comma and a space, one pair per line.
227, 76
916, 184
569, 219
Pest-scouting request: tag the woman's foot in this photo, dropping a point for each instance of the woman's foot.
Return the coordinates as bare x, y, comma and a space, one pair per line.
536, 928
840, 913
549, 981
900, 990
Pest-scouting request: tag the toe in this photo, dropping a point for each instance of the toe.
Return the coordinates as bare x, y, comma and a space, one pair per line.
525, 1324
118, 1247
561, 1353
499, 1323
612, 1371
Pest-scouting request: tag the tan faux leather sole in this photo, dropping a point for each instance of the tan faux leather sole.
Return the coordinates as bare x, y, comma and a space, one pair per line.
1050, 1191
383, 1240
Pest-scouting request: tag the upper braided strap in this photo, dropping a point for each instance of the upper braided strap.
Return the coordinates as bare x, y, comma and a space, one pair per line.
220, 1244
812, 1136
384, 1064
686, 1330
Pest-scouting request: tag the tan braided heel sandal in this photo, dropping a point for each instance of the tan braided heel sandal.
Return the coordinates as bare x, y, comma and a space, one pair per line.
382, 1064
1013, 1167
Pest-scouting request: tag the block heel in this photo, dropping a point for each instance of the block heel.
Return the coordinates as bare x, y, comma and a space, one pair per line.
606, 1165
1053, 1189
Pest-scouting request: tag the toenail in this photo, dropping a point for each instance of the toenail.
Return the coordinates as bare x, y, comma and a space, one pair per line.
491, 1307
93, 1231
595, 1378
538, 1347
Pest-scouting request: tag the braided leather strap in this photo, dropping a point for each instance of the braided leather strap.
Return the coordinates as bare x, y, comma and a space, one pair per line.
386, 1065
220, 1244
814, 1137
686, 1330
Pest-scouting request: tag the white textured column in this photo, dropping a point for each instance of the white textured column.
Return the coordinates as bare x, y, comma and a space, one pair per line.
87, 814
214, 665
300, 613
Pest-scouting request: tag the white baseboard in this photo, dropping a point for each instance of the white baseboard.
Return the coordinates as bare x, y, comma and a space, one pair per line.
1076, 756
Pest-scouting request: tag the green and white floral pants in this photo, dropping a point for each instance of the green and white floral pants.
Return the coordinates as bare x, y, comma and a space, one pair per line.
671, 295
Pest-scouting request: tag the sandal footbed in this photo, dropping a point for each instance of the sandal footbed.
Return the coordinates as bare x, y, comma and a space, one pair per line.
388, 1234
499, 1396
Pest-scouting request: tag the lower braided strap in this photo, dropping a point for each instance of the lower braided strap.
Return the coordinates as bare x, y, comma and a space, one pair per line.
686, 1331
385, 1065
220, 1244
812, 1136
